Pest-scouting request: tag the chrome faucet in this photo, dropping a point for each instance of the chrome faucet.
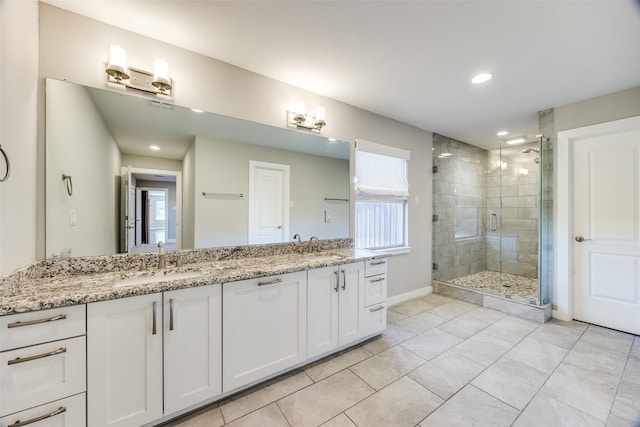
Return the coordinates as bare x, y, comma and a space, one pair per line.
160, 255
296, 237
311, 243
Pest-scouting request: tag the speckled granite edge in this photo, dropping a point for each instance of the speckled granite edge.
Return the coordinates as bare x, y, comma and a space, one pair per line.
92, 279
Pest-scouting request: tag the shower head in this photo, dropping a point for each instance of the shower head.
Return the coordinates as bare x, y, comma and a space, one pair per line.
529, 150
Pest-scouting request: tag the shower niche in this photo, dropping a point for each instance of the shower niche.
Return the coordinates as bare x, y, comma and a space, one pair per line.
490, 213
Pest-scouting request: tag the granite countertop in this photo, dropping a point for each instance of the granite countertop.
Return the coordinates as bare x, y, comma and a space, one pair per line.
69, 288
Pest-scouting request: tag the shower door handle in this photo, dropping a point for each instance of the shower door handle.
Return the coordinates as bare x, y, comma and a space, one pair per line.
493, 222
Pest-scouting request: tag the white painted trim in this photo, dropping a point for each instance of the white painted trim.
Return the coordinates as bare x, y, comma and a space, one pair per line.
409, 295
563, 214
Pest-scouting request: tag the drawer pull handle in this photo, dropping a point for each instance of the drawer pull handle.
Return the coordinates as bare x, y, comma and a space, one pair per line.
35, 322
377, 280
270, 282
171, 314
58, 411
39, 356
378, 262
377, 309
154, 329
337, 281
344, 280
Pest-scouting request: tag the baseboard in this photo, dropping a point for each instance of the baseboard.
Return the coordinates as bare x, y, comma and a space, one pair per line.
409, 295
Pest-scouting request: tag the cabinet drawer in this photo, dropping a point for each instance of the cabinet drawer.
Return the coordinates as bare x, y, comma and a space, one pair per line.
373, 267
68, 412
375, 319
35, 327
38, 374
375, 289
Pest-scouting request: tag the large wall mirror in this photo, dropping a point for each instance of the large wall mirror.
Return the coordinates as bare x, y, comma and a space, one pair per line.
125, 172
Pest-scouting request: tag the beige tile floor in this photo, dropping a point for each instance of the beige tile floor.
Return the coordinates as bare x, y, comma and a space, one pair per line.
443, 362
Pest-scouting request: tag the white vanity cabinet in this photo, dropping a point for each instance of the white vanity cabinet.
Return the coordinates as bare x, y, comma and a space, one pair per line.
42, 364
192, 346
124, 361
334, 307
264, 327
375, 296
125, 348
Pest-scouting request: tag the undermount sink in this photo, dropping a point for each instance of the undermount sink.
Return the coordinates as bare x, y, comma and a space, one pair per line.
157, 278
326, 256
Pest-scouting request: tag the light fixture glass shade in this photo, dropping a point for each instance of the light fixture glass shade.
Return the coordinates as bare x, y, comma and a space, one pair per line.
300, 112
320, 116
161, 79
117, 66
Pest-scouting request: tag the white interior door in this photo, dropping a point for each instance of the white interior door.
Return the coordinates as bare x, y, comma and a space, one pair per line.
606, 243
268, 202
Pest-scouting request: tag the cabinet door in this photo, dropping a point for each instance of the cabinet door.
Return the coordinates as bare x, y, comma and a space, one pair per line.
124, 361
264, 327
192, 346
322, 310
351, 302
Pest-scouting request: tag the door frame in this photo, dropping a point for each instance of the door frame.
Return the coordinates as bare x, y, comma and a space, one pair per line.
179, 207
563, 211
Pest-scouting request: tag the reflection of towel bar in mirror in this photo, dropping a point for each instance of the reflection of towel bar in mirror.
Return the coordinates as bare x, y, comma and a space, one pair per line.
224, 196
331, 199
69, 184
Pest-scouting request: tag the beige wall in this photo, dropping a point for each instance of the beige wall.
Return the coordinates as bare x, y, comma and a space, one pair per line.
606, 108
75, 48
80, 145
18, 116
223, 167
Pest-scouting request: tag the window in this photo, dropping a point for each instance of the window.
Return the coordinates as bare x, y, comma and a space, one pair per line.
382, 191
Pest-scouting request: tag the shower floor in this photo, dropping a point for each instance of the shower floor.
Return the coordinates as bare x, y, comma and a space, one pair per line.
518, 287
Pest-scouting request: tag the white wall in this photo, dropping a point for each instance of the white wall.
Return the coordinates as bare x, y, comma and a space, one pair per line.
18, 126
80, 145
223, 167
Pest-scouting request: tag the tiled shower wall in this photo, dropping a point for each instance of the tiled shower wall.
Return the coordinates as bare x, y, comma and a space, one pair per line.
470, 184
459, 244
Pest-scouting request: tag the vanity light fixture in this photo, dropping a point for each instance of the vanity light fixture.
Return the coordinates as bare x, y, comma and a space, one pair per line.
159, 82
301, 120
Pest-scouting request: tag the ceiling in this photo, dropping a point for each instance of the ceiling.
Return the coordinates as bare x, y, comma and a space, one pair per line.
137, 123
410, 61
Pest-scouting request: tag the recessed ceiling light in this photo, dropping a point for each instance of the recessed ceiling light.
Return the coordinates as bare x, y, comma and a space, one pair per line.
154, 147
445, 154
195, 110
515, 141
481, 78
502, 133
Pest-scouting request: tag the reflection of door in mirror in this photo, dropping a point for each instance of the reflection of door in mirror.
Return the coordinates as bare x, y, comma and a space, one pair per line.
151, 217
268, 202
154, 209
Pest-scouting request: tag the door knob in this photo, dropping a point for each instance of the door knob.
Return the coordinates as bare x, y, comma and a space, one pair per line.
581, 239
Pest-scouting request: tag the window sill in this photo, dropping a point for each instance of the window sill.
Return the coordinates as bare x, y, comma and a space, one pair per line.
394, 251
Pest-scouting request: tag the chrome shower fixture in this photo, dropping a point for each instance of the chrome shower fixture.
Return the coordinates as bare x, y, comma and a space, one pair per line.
529, 150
